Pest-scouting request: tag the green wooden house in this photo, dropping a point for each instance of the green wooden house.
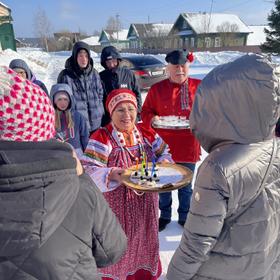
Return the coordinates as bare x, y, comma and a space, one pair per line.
148, 35
114, 38
205, 30
7, 36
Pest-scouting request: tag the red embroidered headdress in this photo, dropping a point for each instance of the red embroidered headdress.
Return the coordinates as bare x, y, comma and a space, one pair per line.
118, 96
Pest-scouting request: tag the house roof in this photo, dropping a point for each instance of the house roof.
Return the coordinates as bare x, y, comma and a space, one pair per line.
258, 36
5, 13
92, 41
212, 23
5, 6
151, 29
114, 35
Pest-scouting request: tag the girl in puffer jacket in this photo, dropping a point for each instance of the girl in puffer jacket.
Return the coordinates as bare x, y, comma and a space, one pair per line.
70, 125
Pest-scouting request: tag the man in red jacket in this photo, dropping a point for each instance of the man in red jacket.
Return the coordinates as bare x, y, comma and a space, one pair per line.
174, 97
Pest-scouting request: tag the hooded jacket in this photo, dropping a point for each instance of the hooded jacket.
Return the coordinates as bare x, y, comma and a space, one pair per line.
119, 77
86, 87
233, 117
54, 224
19, 63
79, 135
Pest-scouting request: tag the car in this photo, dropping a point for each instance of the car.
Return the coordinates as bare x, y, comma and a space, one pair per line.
147, 68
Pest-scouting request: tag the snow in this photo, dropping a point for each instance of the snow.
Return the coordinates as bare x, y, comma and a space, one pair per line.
92, 41
46, 67
210, 23
258, 36
161, 28
120, 35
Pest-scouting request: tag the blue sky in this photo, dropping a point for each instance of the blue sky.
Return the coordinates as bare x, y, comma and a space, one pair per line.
87, 16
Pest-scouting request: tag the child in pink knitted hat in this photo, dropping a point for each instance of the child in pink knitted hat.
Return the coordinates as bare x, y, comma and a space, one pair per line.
26, 112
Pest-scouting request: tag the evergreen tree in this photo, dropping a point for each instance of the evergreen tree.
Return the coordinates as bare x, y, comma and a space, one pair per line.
272, 44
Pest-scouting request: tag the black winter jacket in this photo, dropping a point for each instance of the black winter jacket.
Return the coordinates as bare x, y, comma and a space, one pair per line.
121, 77
54, 225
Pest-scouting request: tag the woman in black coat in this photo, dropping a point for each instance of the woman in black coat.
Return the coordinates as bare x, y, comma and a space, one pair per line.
54, 222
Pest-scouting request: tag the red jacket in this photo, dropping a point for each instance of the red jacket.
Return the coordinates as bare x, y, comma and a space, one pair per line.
164, 99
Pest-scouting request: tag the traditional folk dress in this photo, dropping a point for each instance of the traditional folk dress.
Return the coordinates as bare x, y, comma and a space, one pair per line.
138, 214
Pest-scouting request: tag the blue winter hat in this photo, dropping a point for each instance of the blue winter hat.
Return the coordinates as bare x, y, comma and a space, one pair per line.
19, 63
61, 89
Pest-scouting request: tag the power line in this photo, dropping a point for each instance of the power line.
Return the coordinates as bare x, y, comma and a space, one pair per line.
235, 6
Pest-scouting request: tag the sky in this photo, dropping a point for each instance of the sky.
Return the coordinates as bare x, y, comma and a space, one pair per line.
88, 16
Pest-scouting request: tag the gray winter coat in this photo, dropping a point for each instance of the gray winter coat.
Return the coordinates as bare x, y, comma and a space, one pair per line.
54, 225
233, 117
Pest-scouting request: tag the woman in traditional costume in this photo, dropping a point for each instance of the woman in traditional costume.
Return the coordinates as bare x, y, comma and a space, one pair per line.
110, 150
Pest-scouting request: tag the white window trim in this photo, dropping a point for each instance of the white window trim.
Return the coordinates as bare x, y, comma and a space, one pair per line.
207, 42
217, 42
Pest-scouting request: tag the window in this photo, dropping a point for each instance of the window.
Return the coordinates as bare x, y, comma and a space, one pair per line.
192, 42
207, 42
186, 43
217, 42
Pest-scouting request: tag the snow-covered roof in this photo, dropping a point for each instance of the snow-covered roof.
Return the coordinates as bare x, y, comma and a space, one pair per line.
114, 35
150, 29
257, 37
161, 28
92, 41
2, 4
213, 23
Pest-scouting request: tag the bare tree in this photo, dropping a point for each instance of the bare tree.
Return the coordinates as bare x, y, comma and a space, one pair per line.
227, 32
42, 27
114, 23
155, 38
96, 33
205, 24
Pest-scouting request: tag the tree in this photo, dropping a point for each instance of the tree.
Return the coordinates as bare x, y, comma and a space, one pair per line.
272, 44
155, 37
227, 32
96, 33
42, 27
114, 23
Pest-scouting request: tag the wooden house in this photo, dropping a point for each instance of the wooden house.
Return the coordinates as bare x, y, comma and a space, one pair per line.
205, 30
117, 39
148, 35
7, 35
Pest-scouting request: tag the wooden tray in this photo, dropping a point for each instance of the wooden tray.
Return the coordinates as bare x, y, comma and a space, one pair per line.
171, 177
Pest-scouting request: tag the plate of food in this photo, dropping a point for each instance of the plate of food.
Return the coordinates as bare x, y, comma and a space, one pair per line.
172, 122
161, 177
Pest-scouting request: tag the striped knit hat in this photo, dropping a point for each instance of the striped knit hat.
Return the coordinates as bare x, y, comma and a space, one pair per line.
26, 112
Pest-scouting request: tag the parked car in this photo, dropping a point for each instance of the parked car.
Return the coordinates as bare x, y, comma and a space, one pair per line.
147, 69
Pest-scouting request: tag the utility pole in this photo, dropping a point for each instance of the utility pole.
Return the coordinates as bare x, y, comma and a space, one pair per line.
118, 26
210, 16
148, 19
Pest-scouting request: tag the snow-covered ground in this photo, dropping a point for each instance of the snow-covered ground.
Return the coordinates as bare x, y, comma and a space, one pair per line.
46, 67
